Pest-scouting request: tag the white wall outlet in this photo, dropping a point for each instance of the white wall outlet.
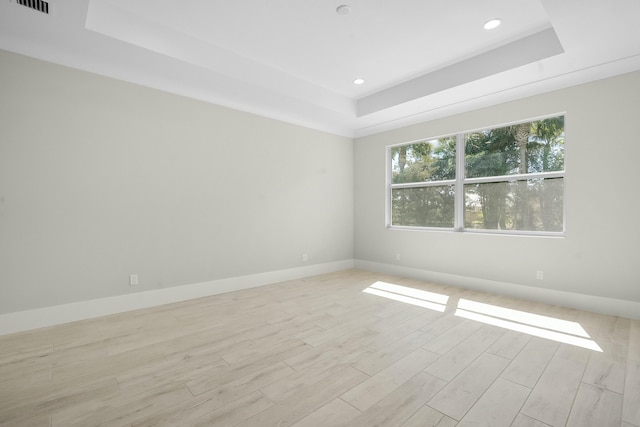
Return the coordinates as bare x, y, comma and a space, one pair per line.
133, 279
540, 275
305, 257
397, 256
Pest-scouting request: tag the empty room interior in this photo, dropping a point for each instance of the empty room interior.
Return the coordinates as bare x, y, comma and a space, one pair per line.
317, 213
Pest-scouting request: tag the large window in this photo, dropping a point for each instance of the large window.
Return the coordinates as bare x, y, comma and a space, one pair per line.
508, 179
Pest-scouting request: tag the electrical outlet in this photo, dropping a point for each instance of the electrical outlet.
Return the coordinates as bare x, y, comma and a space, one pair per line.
133, 279
304, 257
540, 275
397, 257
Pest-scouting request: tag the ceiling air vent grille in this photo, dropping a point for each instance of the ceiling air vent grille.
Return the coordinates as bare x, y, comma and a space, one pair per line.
39, 5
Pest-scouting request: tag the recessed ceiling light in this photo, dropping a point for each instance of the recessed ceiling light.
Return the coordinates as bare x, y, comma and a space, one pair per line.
492, 23
358, 81
343, 9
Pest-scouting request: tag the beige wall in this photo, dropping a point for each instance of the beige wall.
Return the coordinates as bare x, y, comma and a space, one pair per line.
601, 252
100, 179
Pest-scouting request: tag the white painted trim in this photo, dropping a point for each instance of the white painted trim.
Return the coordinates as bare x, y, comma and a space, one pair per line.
55, 315
596, 304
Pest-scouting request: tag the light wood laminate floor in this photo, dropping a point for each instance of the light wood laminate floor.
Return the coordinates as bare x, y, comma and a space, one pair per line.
351, 348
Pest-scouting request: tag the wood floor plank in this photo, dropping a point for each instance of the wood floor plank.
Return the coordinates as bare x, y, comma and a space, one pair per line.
12, 349
460, 394
606, 369
394, 313
206, 406
498, 406
182, 413
525, 421
75, 333
320, 351
390, 335
55, 397
161, 372
510, 344
597, 407
234, 412
204, 352
374, 389
401, 404
452, 337
345, 329
289, 386
111, 366
119, 409
239, 370
265, 349
442, 324
29, 419
74, 353
313, 358
125, 343
530, 363
254, 381
426, 416
552, 397
307, 400
333, 413
630, 405
449, 365
30, 370
385, 357
631, 398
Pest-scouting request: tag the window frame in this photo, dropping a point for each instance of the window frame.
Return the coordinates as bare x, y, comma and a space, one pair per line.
460, 181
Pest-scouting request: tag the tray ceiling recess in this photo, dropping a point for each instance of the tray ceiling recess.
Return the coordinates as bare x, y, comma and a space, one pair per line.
348, 67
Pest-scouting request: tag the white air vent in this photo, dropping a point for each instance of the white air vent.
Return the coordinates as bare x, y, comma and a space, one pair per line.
39, 5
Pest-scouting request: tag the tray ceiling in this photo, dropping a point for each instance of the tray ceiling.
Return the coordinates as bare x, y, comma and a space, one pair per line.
296, 60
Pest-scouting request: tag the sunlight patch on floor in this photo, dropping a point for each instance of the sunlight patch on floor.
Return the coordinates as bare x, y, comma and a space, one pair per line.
417, 297
532, 319
537, 325
533, 324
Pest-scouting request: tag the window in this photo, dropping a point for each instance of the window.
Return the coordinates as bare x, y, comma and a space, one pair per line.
508, 179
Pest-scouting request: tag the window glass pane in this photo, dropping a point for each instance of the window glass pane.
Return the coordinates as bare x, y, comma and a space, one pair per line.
532, 205
432, 160
423, 207
531, 147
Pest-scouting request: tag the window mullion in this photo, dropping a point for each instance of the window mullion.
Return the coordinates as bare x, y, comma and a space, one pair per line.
459, 186
389, 180
516, 177
423, 184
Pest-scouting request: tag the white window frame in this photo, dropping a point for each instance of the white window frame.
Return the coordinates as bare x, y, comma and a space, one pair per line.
460, 181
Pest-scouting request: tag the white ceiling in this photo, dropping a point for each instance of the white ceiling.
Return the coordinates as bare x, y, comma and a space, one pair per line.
295, 60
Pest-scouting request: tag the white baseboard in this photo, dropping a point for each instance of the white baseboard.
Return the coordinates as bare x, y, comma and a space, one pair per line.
596, 304
55, 315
